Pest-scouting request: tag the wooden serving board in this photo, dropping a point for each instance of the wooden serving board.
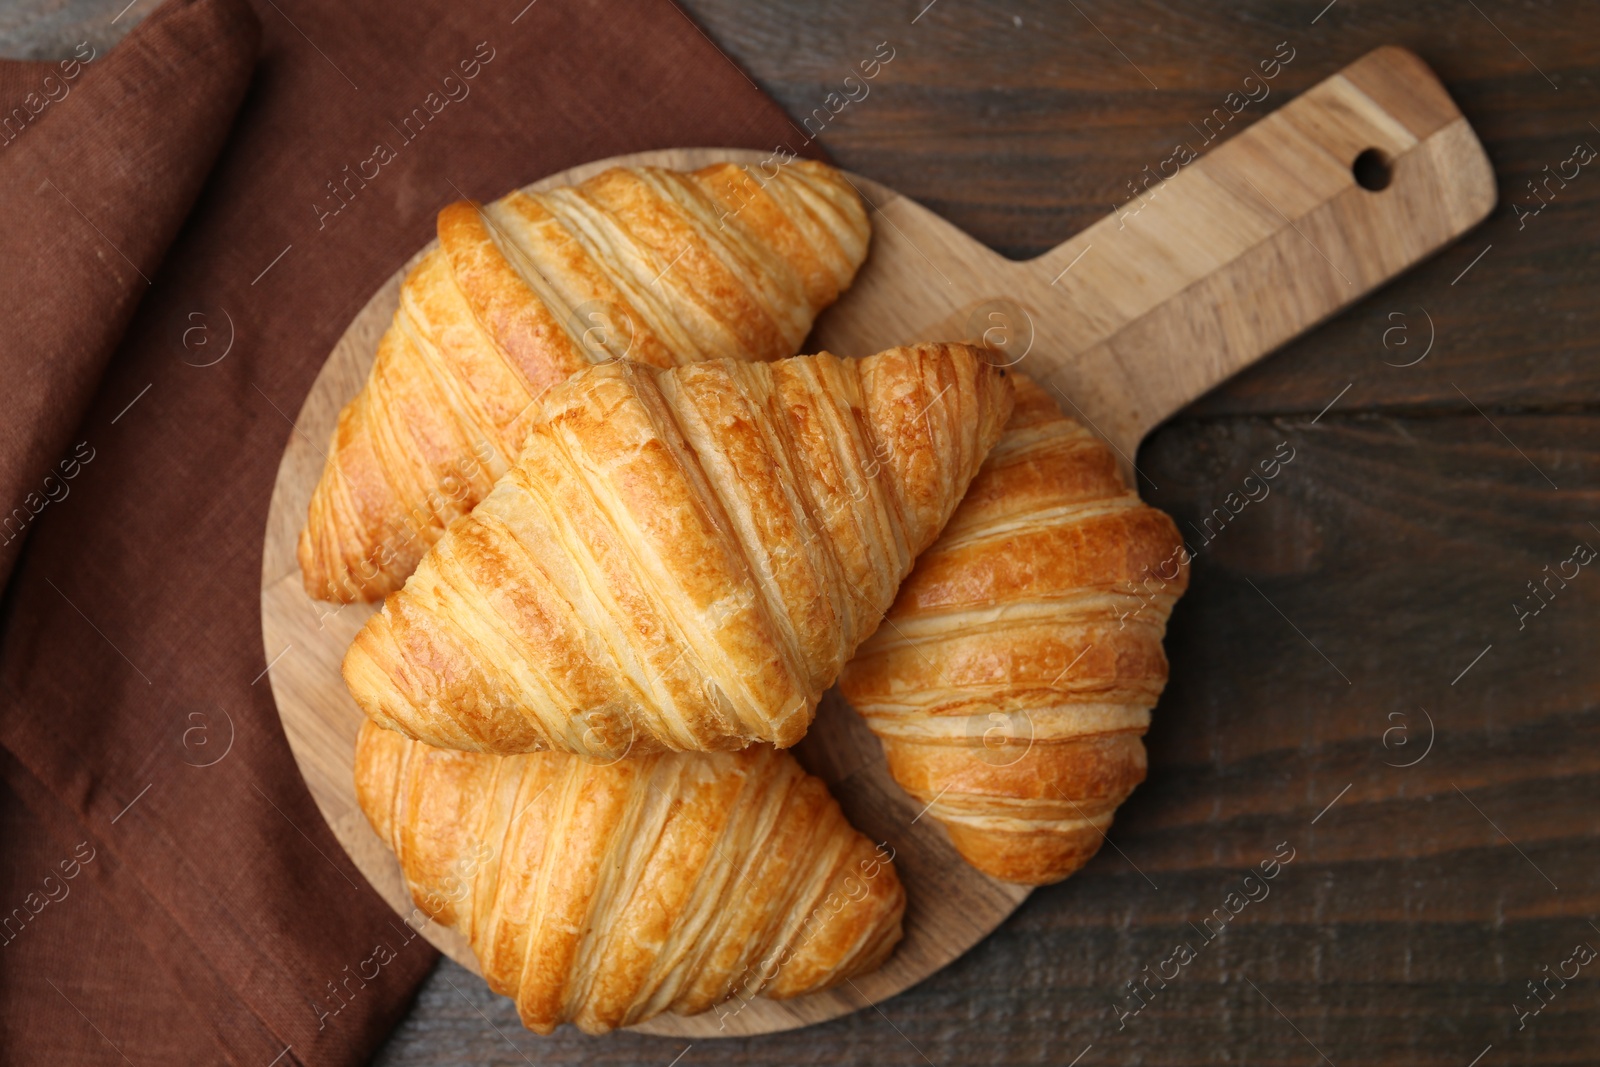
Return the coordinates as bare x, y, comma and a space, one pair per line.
1252, 243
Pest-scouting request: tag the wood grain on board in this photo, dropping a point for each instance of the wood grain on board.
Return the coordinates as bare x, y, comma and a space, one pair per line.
1233, 255
1023, 123
1198, 276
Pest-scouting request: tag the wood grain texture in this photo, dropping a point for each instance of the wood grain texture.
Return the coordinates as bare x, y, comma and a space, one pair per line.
1236, 253
1022, 124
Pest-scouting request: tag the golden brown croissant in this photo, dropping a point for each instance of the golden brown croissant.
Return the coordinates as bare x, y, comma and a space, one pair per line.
681, 559
604, 894
653, 265
1015, 680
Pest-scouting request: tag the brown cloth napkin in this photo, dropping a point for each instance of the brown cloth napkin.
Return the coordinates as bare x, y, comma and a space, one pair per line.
181, 247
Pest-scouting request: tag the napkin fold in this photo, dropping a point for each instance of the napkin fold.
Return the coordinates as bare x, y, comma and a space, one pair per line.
183, 242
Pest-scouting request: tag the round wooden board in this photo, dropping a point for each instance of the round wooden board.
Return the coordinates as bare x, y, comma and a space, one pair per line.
950, 906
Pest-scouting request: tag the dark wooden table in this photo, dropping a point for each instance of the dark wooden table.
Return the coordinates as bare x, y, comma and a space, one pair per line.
1351, 674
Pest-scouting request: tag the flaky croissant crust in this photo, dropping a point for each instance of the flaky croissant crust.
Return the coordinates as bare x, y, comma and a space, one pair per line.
605, 893
681, 559
652, 265
1014, 680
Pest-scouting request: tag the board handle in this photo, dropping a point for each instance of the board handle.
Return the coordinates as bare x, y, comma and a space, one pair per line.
1255, 241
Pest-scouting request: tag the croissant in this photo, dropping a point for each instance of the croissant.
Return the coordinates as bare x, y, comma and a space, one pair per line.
1014, 682
604, 894
681, 559
654, 265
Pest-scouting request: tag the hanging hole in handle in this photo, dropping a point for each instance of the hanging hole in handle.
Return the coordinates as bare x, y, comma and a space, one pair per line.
1372, 171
